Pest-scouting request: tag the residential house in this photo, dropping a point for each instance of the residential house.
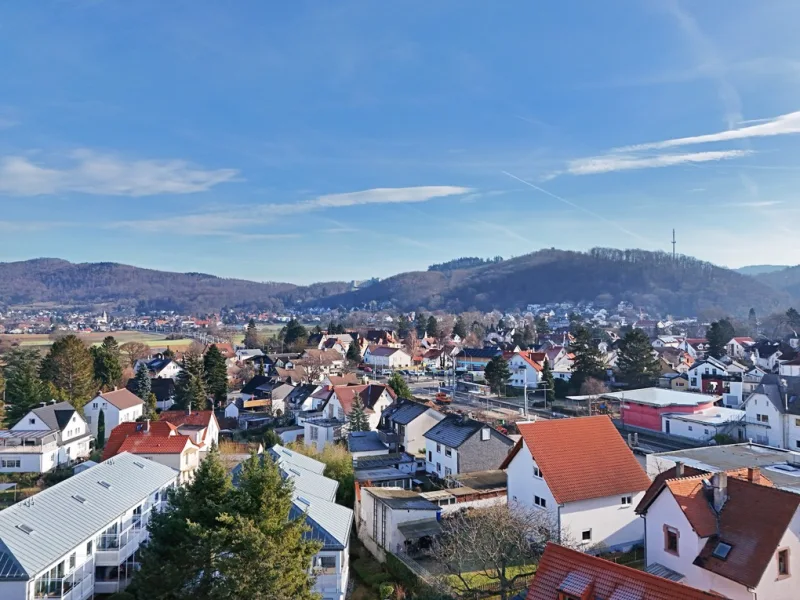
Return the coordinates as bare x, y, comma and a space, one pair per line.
773, 412
707, 366
751, 379
162, 387
119, 406
733, 536
320, 363
458, 444
526, 368
566, 574
707, 424
247, 354
387, 357
365, 443
80, 538
584, 474
677, 382
739, 347
258, 387
201, 426
790, 368
162, 367
765, 354
437, 358
300, 398
404, 424
395, 520
382, 337
646, 407
158, 441
49, 436
695, 347
314, 499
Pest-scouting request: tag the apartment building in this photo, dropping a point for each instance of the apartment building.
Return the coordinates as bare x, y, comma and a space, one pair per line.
81, 537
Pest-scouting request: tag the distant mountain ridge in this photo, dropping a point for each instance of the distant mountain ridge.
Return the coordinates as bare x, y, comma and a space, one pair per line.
684, 286
760, 269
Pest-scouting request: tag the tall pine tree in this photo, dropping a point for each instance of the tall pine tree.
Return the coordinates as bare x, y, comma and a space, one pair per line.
460, 328
107, 364
548, 383
142, 381
433, 327
251, 338
216, 375
637, 365
190, 388
497, 373
353, 352
70, 368
357, 419
588, 361
101, 430
24, 389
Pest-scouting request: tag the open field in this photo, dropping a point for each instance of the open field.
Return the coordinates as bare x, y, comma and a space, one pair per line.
151, 339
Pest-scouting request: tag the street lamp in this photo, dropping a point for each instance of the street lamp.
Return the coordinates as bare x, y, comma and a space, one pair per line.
525, 387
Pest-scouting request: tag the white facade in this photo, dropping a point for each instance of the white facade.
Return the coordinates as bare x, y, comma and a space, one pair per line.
704, 425
665, 512
768, 426
790, 370
696, 372
113, 415
397, 359
414, 432
523, 373
440, 459
594, 523
321, 433
101, 553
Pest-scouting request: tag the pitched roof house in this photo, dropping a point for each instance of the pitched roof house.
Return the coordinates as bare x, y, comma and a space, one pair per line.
729, 533
773, 410
566, 574
458, 444
200, 425
118, 406
583, 472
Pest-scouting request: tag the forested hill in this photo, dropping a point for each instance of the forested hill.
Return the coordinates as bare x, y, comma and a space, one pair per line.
53, 282
684, 286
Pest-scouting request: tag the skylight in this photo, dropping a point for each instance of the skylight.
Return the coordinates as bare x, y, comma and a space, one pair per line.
138, 464
303, 501
105, 484
79, 498
721, 551
27, 529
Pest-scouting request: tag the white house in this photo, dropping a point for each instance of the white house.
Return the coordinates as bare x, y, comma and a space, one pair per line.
709, 366
703, 425
160, 367
739, 347
404, 425
790, 368
80, 537
583, 473
526, 368
315, 500
49, 436
387, 357
119, 406
773, 412
731, 534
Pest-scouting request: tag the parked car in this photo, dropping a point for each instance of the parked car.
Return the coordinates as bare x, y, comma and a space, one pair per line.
442, 398
366, 369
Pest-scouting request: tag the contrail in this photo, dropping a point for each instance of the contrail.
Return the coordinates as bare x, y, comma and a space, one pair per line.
573, 205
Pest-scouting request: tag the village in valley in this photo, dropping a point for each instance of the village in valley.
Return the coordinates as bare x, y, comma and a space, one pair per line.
417, 455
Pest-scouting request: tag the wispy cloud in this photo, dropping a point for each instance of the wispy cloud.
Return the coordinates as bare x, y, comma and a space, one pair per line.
90, 172
235, 218
781, 125
625, 162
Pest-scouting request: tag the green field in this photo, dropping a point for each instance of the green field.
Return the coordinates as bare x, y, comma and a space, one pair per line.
151, 339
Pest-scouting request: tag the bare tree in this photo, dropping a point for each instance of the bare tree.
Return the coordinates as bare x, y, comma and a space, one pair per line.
412, 343
135, 351
499, 545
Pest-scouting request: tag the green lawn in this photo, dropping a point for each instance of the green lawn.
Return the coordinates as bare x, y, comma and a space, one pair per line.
95, 338
478, 578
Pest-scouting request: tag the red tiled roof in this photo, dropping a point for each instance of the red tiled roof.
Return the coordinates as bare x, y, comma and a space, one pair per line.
346, 379
660, 481
581, 458
534, 359
181, 417
591, 578
369, 394
122, 399
124, 430
155, 444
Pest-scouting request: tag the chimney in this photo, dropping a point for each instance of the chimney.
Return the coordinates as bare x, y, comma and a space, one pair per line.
719, 486
753, 474
189, 408
53, 401
42, 404
147, 425
678, 468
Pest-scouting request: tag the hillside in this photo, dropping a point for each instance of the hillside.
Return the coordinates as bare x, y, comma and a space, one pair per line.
759, 269
787, 280
54, 282
686, 286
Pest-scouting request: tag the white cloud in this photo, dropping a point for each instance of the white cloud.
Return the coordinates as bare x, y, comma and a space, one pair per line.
89, 172
781, 125
377, 196
624, 162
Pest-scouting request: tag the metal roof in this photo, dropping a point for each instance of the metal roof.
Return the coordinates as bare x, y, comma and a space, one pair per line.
384, 474
281, 455
59, 523
382, 460
401, 499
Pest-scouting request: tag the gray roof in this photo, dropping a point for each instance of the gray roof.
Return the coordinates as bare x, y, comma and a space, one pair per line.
453, 430
406, 412
402, 499
60, 522
305, 481
283, 455
384, 474
382, 460
785, 398
55, 416
365, 441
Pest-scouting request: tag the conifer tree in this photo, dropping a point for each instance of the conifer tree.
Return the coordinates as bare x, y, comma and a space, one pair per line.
357, 419
251, 339
460, 328
101, 430
548, 382
24, 389
354, 352
70, 368
142, 381
588, 362
636, 364
216, 375
189, 385
497, 373
107, 364
399, 386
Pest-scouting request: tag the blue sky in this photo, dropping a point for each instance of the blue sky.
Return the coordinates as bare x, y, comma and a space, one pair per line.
305, 141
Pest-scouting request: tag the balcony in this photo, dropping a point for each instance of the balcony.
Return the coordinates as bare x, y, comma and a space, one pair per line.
112, 586
76, 586
113, 549
390, 438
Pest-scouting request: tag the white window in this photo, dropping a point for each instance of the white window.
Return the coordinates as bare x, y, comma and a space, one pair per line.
537, 472
586, 535
439, 448
541, 502
10, 463
438, 467
486, 433
626, 501
94, 405
447, 451
313, 431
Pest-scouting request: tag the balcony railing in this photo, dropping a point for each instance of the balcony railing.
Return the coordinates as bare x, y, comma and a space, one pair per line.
390, 437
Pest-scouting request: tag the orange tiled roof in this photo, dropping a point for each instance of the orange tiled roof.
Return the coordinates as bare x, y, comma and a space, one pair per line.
181, 417
124, 430
580, 575
534, 359
155, 444
581, 458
